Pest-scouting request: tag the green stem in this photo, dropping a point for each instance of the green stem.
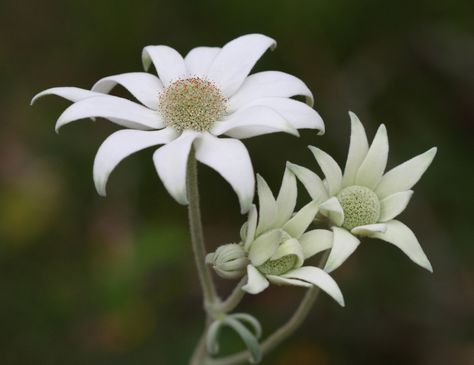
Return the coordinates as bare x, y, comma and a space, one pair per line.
197, 237
281, 333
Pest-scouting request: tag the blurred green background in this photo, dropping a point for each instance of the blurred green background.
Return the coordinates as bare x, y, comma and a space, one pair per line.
87, 280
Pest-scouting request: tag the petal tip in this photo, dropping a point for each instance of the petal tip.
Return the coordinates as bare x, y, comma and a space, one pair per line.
427, 266
101, 190
146, 61
432, 152
314, 149
341, 301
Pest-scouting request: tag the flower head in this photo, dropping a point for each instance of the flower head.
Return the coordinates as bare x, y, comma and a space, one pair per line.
277, 243
192, 103
363, 201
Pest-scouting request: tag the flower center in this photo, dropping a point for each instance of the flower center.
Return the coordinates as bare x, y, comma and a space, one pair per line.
192, 103
361, 206
279, 266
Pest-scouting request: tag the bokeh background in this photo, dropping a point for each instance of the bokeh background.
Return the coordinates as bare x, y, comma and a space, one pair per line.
87, 280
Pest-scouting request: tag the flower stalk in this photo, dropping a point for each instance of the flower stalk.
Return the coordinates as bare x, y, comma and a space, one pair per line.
197, 236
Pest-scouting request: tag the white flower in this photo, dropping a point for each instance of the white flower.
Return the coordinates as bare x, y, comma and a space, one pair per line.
195, 100
364, 201
278, 246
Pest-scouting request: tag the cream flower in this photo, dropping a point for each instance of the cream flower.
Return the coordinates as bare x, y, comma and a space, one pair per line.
363, 201
278, 246
194, 101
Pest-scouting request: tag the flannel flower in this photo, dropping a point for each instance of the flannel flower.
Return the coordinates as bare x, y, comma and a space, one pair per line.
193, 102
363, 201
277, 244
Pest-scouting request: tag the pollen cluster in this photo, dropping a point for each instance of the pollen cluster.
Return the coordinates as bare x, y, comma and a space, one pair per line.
193, 103
361, 206
279, 266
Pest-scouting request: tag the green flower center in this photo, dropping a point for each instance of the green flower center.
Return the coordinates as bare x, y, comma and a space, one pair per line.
361, 206
192, 103
279, 266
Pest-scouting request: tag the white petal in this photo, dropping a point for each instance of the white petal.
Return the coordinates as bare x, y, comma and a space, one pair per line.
330, 168
332, 209
269, 84
290, 247
168, 62
394, 204
143, 86
69, 93
256, 282
286, 200
404, 176
267, 206
319, 278
300, 222
369, 229
371, 170
199, 59
265, 246
171, 163
230, 158
358, 148
316, 241
251, 226
279, 280
119, 110
120, 145
311, 181
234, 62
401, 236
343, 246
298, 114
253, 121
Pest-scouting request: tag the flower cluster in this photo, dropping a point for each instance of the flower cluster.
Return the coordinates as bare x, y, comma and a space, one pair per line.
361, 202
188, 108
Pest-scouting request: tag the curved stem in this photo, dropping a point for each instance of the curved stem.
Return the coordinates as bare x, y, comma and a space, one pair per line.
233, 299
281, 333
197, 237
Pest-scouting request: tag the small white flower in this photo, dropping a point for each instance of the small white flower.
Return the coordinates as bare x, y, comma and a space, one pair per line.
278, 246
364, 201
195, 100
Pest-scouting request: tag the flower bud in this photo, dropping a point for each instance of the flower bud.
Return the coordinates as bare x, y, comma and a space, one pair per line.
228, 261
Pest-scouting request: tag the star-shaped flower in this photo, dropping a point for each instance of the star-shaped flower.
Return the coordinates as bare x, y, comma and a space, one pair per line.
363, 201
193, 103
277, 243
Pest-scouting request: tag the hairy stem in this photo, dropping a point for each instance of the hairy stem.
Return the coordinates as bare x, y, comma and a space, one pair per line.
199, 250
281, 333
197, 237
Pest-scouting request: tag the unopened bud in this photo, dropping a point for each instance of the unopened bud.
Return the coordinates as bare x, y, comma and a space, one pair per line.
228, 261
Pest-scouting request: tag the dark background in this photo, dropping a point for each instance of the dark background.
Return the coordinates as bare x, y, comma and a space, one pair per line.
87, 280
